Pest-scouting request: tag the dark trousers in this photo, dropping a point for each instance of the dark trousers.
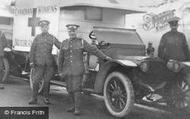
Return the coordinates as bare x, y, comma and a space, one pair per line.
74, 87
42, 73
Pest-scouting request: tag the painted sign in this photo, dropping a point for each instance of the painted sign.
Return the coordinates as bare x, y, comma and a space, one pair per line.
28, 11
157, 21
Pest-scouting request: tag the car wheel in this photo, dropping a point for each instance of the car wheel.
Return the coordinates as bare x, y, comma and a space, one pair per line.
118, 94
181, 95
41, 84
5, 69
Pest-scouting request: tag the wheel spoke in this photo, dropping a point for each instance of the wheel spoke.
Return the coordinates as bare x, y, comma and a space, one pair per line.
120, 104
109, 90
122, 101
115, 84
111, 85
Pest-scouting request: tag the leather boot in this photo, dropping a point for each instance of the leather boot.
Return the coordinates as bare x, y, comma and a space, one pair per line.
72, 108
77, 103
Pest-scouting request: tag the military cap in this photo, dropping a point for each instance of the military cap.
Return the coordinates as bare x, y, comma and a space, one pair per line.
72, 27
43, 23
173, 21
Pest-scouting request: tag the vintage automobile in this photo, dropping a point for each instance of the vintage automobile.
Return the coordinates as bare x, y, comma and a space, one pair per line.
132, 76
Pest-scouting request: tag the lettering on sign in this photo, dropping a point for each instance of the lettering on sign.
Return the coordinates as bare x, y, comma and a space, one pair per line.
29, 11
158, 22
24, 43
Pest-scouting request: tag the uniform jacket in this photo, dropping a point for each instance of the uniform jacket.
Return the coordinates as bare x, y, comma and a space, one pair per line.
173, 45
3, 43
71, 56
41, 49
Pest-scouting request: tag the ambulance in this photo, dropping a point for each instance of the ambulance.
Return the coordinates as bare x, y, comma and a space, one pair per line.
85, 13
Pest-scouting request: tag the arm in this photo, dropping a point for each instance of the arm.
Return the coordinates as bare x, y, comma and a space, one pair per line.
56, 42
3, 44
161, 47
185, 47
60, 59
33, 50
94, 50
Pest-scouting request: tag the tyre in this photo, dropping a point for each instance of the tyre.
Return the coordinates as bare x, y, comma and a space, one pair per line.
5, 69
41, 84
118, 94
180, 94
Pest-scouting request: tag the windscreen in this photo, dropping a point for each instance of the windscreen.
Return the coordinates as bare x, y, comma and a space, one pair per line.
117, 36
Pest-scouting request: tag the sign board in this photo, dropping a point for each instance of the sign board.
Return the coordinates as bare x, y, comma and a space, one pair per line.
26, 25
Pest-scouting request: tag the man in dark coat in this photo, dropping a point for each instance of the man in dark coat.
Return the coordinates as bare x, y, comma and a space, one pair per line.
3, 44
173, 44
42, 61
71, 65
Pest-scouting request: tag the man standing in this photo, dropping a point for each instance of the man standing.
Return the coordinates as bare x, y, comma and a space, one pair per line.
173, 44
71, 65
3, 44
42, 61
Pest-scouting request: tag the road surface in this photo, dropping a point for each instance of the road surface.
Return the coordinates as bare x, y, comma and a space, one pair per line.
17, 93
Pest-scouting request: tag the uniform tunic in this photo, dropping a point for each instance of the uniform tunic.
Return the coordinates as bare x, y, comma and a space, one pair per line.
41, 56
173, 45
71, 63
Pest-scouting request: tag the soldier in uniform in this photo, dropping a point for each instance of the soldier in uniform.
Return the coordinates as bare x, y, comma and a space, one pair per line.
42, 61
173, 44
71, 65
3, 44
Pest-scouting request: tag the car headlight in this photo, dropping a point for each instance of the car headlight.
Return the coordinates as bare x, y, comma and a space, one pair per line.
144, 66
174, 65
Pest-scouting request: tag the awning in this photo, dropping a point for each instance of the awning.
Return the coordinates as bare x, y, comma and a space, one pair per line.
130, 6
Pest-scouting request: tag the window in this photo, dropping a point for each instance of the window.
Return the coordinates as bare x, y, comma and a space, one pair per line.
6, 21
93, 13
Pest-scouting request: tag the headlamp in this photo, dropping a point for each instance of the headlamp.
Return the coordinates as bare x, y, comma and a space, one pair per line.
174, 65
144, 66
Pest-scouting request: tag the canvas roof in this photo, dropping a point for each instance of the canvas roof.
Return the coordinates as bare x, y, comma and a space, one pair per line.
130, 6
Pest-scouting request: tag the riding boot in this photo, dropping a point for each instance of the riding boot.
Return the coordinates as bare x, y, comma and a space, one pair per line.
77, 103
72, 108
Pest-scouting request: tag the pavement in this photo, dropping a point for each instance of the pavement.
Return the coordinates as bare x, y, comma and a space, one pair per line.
17, 94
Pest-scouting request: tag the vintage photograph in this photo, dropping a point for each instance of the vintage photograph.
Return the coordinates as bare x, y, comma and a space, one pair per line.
94, 59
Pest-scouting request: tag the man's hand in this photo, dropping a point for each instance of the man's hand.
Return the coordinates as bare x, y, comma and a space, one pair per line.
62, 75
32, 65
109, 58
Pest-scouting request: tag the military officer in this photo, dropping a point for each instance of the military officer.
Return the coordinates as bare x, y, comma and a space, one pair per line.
71, 65
42, 61
173, 44
3, 44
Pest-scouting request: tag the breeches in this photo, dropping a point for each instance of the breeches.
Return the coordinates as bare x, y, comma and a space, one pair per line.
42, 73
74, 83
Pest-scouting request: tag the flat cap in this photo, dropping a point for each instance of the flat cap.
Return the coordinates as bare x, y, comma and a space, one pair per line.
72, 27
43, 23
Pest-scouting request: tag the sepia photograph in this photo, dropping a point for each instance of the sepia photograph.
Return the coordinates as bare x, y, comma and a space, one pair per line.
94, 59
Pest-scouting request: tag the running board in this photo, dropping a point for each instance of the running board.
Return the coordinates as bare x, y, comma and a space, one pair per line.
59, 83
